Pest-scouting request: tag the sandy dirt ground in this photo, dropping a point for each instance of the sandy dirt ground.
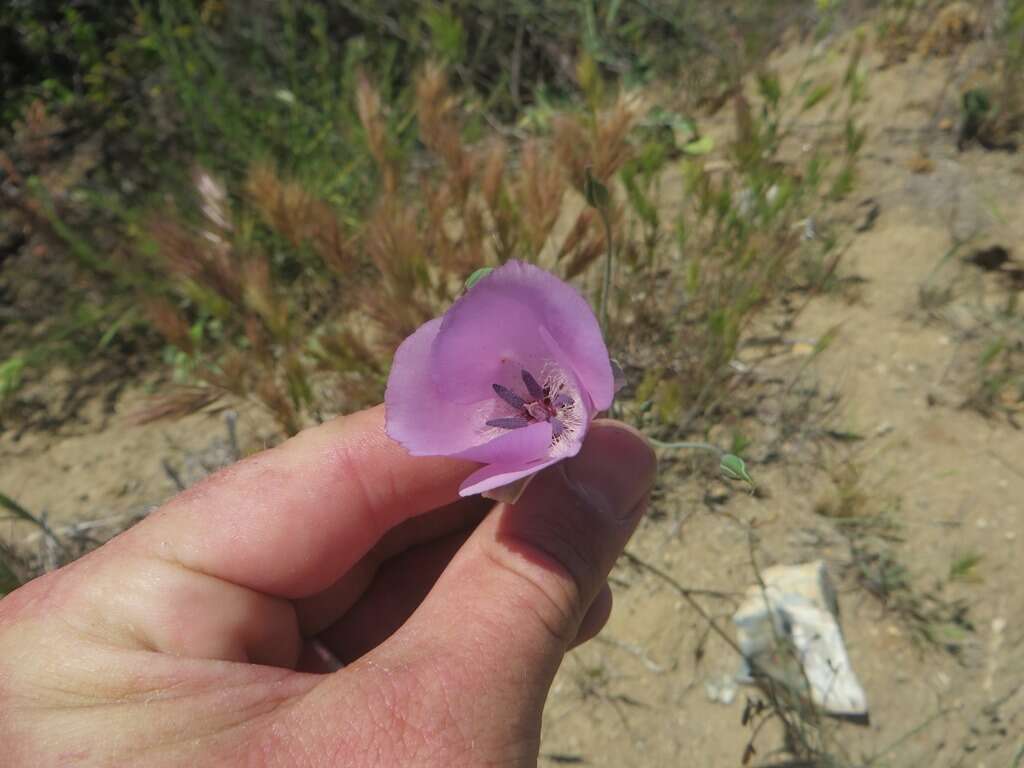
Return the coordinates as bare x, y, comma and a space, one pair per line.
950, 479
940, 482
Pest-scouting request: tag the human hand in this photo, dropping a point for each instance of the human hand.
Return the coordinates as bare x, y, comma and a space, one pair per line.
208, 634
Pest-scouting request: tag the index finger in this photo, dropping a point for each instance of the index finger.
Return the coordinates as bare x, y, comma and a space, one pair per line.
292, 520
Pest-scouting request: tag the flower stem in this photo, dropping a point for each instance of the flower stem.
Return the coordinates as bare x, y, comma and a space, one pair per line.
729, 464
685, 445
606, 287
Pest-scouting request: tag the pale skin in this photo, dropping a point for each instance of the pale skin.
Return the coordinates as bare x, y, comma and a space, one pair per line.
209, 634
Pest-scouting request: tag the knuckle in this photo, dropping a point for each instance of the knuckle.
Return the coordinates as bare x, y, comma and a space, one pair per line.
545, 589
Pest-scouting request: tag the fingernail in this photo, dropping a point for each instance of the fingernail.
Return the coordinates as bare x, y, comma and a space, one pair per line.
615, 469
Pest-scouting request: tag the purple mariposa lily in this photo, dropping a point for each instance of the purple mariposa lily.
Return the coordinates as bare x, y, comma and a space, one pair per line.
510, 376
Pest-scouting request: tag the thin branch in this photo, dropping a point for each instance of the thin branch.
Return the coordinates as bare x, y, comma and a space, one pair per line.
23, 514
687, 594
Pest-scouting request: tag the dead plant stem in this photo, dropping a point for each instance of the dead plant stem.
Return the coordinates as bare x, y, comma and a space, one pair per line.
687, 594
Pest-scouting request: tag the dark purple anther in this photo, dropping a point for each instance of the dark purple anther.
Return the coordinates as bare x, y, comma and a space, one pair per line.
562, 401
543, 405
511, 422
535, 389
509, 396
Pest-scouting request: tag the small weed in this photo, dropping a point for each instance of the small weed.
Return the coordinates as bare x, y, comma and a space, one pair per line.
992, 107
995, 385
10, 377
314, 334
991, 352
998, 381
964, 567
847, 500
932, 298
955, 25
739, 242
925, 27
933, 620
873, 534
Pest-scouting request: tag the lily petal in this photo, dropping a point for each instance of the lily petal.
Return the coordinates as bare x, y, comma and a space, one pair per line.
498, 323
517, 446
498, 475
416, 416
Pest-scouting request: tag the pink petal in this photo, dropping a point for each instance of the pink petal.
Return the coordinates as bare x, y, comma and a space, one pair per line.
514, 447
497, 475
416, 415
497, 324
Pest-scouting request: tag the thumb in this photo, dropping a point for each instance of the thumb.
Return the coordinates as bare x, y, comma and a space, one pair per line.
499, 620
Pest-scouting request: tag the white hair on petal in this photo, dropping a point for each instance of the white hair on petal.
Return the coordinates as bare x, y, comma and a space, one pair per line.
570, 411
572, 416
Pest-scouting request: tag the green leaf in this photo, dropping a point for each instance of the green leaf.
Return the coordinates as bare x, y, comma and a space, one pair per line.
992, 351
641, 203
595, 192
699, 147
817, 95
768, 85
977, 103
111, 332
477, 276
447, 35
734, 468
611, 15
10, 375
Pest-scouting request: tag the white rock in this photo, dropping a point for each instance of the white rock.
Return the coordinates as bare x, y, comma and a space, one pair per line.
789, 630
721, 689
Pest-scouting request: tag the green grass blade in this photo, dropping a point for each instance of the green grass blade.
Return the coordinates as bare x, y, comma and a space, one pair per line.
8, 581
6, 502
17, 510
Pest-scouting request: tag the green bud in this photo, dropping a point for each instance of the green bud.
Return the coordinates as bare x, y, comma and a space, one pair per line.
734, 468
595, 192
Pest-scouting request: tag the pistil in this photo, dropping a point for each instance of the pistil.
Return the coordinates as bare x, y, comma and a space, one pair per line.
543, 405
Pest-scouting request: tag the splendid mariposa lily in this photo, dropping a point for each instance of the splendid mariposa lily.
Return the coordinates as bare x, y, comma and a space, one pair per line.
511, 376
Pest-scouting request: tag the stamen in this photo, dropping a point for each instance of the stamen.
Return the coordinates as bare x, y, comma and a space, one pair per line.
511, 422
509, 396
535, 389
562, 401
551, 403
